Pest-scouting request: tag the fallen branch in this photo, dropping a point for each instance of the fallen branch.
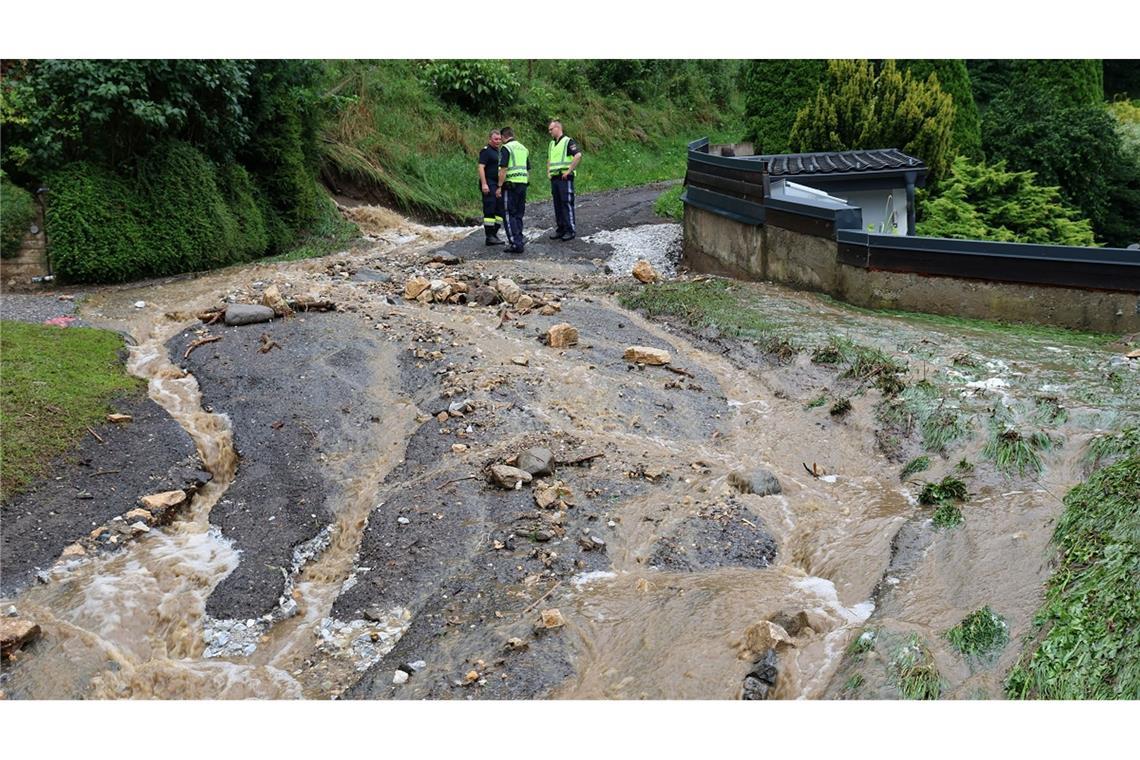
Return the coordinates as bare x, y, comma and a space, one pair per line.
312, 305
105, 472
539, 600
814, 470
92, 432
456, 480
200, 342
679, 371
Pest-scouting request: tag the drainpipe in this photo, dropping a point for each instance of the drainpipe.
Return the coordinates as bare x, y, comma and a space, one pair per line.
765, 180
910, 216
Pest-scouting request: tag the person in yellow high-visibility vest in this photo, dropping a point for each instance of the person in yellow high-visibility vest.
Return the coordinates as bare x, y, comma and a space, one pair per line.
563, 158
514, 175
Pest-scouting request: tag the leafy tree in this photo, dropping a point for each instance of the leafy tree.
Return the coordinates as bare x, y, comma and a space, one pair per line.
17, 211
1122, 78
855, 108
954, 79
1067, 82
1077, 148
989, 202
774, 90
475, 86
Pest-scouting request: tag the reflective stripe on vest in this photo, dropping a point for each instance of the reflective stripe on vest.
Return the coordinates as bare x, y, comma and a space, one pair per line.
559, 161
516, 165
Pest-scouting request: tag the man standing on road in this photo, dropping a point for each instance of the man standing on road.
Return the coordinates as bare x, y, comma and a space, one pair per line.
514, 173
564, 157
488, 167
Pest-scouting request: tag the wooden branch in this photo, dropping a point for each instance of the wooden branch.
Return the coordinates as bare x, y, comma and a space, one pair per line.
539, 600
92, 432
200, 342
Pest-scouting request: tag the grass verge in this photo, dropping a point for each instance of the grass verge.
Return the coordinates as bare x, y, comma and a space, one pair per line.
56, 382
916, 675
1088, 641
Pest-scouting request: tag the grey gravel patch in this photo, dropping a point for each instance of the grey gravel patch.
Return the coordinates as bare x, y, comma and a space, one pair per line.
659, 244
21, 307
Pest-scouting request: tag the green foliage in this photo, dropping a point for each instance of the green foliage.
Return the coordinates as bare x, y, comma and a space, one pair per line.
980, 633
1056, 81
774, 90
841, 407
1089, 641
949, 489
980, 201
918, 464
916, 674
954, 78
863, 643
1122, 78
948, 515
1077, 148
476, 86
1110, 447
631, 76
855, 108
872, 365
251, 232
57, 381
17, 212
1013, 450
669, 205
110, 111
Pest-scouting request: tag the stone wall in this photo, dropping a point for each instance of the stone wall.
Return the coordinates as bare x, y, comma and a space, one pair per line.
715, 244
17, 272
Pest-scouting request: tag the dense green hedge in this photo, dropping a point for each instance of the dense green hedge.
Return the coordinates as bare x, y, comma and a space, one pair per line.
176, 213
774, 90
954, 78
17, 211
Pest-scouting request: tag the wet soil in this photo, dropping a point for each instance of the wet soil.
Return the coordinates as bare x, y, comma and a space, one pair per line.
150, 454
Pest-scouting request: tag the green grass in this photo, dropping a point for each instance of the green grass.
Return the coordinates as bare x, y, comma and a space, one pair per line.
949, 488
918, 464
864, 642
854, 682
1012, 450
981, 633
816, 402
948, 515
669, 205
1088, 639
703, 303
394, 135
841, 407
1104, 449
916, 675
333, 233
964, 467
55, 382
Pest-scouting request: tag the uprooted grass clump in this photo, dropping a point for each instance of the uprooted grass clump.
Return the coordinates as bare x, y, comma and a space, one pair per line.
916, 675
1012, 450
980, 633
703, 304
948, 515
935, 415
1088, 641
841, 407
948, 489
1108, 448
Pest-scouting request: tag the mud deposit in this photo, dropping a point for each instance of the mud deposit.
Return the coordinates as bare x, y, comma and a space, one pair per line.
354, 542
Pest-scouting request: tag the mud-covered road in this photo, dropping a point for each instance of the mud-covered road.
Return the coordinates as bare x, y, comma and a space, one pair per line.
353, 542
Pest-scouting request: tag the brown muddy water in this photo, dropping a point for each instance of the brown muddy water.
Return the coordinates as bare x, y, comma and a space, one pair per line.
133, 624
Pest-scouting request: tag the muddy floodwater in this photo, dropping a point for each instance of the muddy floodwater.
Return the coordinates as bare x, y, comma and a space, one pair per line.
351, 542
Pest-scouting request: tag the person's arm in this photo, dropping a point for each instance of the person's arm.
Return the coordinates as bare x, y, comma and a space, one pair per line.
483, 177
574, 162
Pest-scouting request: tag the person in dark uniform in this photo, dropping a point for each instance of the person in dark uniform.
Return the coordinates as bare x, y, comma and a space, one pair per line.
488, 168
514, 175
563, 158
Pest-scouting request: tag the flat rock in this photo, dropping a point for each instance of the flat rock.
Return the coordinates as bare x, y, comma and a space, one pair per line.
509, 477
645, 272
760, 482
415, 286
765, 635
646, 355
14, 633
163, 505
248, 314
536, 461
562, 335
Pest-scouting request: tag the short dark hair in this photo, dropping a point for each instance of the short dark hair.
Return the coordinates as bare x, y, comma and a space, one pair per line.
494, 132
507, 133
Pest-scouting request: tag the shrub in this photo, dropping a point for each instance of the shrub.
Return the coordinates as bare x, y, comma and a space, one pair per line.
988, 202
855, 108
953, 77
669, 204
631, 76
251, 238
475, 86
17, 212
774, 90
1056, 82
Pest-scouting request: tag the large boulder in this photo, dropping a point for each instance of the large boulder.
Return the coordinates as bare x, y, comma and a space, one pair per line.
645, 355
759, 481
248, 314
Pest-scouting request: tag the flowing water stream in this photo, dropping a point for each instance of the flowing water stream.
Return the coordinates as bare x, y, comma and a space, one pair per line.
133, 624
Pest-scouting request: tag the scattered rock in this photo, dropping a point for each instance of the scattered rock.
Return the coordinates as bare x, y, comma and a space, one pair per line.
760, 681
508, 290
119, 418
522, 361
793, 624
414, 287
555, 495
552, 618
516, 644
645, 272
371, 275
140, 304
274, 300
766, 635
483, 296
524, 303
399, 677
760, 482
536, 461
562, 335
137, 514
403, 520
73, 550
509, 477
458, 448
644, 355
163, 506
247, 314
472, 676
15, 633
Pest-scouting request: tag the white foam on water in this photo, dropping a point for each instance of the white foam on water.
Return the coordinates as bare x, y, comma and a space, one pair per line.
581, 579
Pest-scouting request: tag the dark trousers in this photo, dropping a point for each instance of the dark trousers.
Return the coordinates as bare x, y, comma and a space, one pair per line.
562, 191
514, 202
492, 211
